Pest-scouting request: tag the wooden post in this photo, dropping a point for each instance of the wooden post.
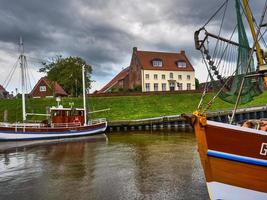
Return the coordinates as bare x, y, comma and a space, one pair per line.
47, 110
5, 115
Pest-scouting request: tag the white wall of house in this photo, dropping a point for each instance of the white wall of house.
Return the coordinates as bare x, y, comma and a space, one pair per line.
156, 81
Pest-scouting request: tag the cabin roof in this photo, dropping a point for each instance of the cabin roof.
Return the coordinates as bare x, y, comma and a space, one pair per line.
66, 109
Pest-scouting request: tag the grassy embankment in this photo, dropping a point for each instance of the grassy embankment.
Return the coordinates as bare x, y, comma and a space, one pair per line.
124, 107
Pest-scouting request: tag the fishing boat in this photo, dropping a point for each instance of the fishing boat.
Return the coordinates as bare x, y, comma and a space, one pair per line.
63, 122
233, 155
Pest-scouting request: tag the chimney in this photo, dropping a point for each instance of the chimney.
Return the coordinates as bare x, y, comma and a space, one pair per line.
183, 52
135, 49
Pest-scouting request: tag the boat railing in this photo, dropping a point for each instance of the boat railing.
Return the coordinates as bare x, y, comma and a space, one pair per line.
65, 125
22, 125
53, 125
77, 124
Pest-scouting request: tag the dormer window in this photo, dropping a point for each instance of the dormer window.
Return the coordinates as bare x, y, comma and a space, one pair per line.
157, 63
181, 64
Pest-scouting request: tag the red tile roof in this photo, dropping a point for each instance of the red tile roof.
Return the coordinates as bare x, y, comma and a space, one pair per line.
169, 60
59, 90
115, 80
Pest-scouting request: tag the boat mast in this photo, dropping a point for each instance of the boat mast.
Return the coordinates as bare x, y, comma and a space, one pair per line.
253, 32
84, 95
22, 67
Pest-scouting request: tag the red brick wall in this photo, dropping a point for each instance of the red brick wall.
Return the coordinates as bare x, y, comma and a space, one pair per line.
126, 83
135, 71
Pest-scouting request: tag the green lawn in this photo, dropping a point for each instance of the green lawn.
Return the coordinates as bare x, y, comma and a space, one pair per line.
124, 107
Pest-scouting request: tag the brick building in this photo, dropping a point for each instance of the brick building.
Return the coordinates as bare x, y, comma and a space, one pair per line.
120, 81
47, 88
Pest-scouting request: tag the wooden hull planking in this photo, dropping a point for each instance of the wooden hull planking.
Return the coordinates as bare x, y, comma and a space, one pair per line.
234, 159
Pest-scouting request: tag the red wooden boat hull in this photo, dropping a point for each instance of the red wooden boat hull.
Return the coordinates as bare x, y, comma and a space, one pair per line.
234, 159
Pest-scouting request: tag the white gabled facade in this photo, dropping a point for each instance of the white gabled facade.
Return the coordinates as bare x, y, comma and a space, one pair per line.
159, 80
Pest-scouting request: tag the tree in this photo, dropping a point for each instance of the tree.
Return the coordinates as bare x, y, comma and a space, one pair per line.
68, 73
197, 83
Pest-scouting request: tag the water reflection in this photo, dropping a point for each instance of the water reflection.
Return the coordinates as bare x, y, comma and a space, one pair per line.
135, 165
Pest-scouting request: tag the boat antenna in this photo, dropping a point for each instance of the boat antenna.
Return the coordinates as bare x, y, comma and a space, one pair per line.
84, 95
22, 67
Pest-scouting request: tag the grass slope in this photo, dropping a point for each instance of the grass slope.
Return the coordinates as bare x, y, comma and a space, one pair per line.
124, 107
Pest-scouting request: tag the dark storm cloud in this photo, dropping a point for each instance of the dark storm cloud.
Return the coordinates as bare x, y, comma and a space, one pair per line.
103, 32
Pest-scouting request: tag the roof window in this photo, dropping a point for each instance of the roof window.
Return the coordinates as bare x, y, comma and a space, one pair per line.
181, 64
157, 63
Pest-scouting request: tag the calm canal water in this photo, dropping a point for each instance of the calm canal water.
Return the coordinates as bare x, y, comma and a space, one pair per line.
132, 165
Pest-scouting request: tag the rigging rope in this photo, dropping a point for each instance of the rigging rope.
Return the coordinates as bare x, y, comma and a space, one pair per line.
216, 12
248, 64
10, 75
225, 75
214, 53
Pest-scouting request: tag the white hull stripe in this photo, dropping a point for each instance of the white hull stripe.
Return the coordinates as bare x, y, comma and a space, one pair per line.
235, 127
68, 130
234, 157
229, 192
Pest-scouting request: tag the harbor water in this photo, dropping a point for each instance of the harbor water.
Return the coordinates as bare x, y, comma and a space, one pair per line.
126, 165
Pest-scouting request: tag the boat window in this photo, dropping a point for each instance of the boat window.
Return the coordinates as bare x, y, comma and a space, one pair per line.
56, 113
76, 112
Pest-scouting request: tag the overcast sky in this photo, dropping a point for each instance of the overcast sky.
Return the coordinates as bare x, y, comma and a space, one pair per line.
103, 32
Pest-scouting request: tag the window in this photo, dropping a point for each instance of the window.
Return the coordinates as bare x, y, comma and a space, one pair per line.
188, 77
188, 86
155, 76
180, 86
163, 76
42, 88
147, 76
179, 77
156, 87
157, 63
163, 86
181, 64
147, 87
171, 75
